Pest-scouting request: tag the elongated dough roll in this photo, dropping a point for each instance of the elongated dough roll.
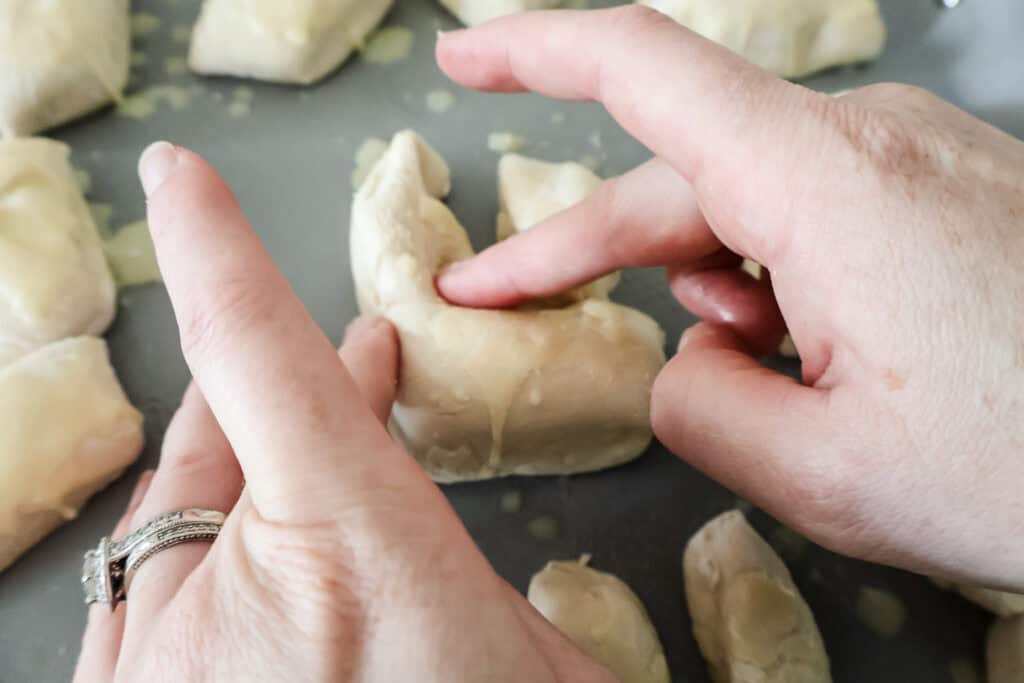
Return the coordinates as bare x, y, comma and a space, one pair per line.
54, 278
603, 616
67, 431
473, 12
792, 38
60, 59
488, 393
298, 41
1005, 651
749, 619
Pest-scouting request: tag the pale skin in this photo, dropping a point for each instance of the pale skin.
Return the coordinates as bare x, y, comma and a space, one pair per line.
892, 225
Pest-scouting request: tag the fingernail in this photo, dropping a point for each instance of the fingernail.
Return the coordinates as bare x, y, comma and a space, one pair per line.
362, 326
155, 164
141, 486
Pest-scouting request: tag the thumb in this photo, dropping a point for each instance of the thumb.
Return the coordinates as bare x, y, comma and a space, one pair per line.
760, 433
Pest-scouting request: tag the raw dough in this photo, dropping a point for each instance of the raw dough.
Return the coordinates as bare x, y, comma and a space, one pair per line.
54, 280
68, 431
478, 11
792, 38
299, 41
603, 616
60, 59
999, 603
531, 191
1005, 651
487, 393
749, 619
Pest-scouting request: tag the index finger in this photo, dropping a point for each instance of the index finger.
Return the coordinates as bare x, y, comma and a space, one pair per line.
728, 127
297, 423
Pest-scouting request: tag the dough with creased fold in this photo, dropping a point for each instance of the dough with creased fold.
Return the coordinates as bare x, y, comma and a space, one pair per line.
297, 41
67, 431
54, 278
1005, 651
792, 38
603, 617
474, 12
486, 393
60, 59
749, 619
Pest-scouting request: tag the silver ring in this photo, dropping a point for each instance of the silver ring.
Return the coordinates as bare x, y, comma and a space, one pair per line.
108, 570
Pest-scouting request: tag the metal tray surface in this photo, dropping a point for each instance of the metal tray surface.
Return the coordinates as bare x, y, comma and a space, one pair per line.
289, 162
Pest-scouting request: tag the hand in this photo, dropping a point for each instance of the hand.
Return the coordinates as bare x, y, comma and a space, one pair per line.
892, 224
340, 560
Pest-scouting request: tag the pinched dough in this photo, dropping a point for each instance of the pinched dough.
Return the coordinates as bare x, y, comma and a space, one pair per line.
486, 393
54, 279
68, 431
1005, 651
298, 41
998, 602
474, 12
749, 619
60, 59
792, 38
603, 616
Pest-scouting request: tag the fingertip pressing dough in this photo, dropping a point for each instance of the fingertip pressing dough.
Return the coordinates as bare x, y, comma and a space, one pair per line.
68, 431
792, 38
473, 12
1000, 603
486, 393
54, 279
749, 619
299, 41
1004, 653
603, 617
59, 60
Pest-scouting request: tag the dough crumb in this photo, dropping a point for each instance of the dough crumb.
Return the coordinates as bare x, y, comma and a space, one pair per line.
558, 118
175, 66
596, 140
963, 670
143, 24
440, 101
181, 34
131, 256
239, 108
881, 611
505, 142
367, 156
592, 161
512, 501
144, 104
544, 528
389, 44
84, 180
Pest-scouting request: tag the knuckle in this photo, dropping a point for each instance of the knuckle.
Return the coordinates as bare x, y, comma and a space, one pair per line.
217, 314
887, 141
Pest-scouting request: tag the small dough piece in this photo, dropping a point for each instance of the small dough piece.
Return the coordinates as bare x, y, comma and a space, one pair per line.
298, 41
603, 616
60, 59
792, 38
54, 279
474, 12
68, 431
485, 393
998, 602
531, 191
749, 619
1005, 651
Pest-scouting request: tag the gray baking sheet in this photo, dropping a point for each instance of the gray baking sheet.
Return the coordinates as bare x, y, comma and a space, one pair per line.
289, 162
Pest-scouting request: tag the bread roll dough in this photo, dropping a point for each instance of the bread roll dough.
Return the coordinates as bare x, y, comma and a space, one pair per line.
1005, 651
60, 59
68, 431
603, 616
998, 602
54, 279
530, 191
792, 38
485, 393
299, 41
473, 12
749, 619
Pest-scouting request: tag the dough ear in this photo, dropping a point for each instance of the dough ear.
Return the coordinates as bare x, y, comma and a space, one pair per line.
748, 617
484, 393
297, 41
60, 59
